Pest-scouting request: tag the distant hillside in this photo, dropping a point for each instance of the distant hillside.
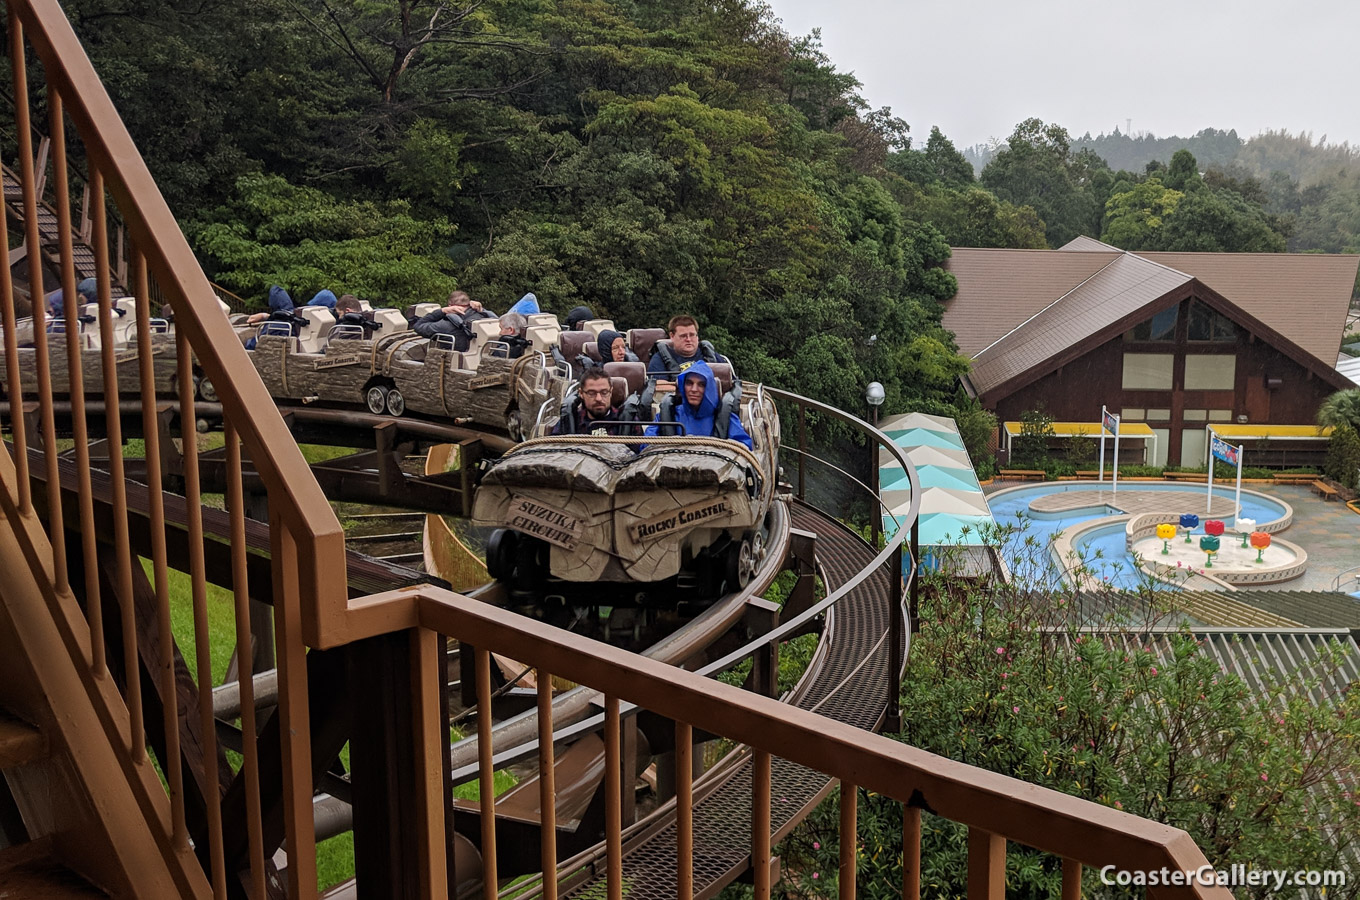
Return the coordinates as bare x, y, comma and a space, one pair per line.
1210, 147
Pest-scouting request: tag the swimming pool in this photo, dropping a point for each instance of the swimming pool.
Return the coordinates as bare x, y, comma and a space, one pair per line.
1027, 548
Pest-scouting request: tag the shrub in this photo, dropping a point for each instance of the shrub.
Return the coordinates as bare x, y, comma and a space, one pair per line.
1343, 456
999, 677
1030, 449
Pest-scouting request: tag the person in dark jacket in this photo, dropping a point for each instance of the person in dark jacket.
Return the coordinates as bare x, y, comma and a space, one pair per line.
696, 406
614, 347
513, 326
592, 407
685, 350
455, 319
280, 310
577, 317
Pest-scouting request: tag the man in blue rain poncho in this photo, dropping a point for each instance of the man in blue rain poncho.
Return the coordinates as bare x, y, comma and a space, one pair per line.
697, 406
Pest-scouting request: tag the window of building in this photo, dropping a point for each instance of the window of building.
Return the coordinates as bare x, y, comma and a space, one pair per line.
1131, 414
1210, 371
1207, 324
1148, 371
1220, 415
1158, 415
1161, 327
1196, 415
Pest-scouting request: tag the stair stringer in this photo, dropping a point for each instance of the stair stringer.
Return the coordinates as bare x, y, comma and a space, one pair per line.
108, 817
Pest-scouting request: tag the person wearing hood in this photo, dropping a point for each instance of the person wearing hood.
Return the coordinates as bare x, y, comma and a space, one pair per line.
614, 347
280, 310
697, 407
527, 305
86, 292
578, 317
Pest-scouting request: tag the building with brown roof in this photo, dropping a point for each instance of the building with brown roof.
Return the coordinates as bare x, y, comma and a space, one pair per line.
1176, 340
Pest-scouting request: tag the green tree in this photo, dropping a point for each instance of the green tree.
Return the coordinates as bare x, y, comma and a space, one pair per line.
1038, 168
1030, 448
1219, 221
1134, 217
273, 232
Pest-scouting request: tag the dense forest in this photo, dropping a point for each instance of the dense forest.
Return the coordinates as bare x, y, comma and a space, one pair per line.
643, 158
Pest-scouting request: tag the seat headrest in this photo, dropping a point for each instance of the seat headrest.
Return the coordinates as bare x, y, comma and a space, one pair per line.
642, 340
573, 344
542, 319
722, 372
595, 326
542, 337
592, 349
486, 330
621, 392
634, 373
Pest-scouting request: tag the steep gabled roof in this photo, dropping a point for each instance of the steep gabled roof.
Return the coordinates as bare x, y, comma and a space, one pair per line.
1303, 296
1021, 313
1000, 289
1121, 289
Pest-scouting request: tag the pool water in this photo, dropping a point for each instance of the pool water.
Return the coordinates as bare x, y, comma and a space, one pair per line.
1027, 549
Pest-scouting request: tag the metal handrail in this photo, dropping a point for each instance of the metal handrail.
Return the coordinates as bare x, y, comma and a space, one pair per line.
1353, 574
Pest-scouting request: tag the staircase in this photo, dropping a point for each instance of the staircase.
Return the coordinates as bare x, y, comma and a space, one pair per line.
29, 867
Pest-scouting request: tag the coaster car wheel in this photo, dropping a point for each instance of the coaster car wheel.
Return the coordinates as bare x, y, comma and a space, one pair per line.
376, 399
396, 403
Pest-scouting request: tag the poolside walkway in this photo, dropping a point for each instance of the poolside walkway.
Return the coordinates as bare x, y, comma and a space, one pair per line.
1134, 502
1326, 529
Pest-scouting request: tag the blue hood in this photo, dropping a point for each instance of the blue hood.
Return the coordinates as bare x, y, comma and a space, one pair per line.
527, 305
279, 301
709, 405
323, 298
88, 289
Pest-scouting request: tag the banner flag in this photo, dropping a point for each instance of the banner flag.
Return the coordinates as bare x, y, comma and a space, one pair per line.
1110, 421
1221, 449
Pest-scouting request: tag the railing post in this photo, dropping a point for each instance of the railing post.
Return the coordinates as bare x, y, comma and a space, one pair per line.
911, 853
849, 839
893, 721
914, 588
802, 452
986, 865
1071, 883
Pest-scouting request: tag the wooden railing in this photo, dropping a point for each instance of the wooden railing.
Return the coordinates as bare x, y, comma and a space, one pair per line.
306, 540
50, 499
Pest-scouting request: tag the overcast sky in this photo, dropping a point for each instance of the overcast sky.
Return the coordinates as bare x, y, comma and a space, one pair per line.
976, 69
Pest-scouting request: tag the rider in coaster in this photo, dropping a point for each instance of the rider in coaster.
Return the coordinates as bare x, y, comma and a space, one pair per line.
614, 347
684, 351
455, 319
578, 316
280, 310
513, 325
591, 408
699, 410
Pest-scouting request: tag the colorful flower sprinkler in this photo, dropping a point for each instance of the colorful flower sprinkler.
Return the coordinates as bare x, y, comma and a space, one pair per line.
1209, 544
1189, 521
1167, 532
1260, 540
1245, 527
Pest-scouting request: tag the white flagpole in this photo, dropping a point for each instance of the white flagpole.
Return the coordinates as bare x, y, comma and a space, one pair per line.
1209, 495
1115, 491
1102, 444
1240, 448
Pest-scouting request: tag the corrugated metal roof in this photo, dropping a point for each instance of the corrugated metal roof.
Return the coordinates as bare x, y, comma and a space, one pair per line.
1349, 366
1089, 244
1303, 296
1000, 289
1127, 284
1310, 609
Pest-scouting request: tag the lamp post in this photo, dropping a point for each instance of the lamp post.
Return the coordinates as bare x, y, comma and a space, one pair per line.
875, 396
